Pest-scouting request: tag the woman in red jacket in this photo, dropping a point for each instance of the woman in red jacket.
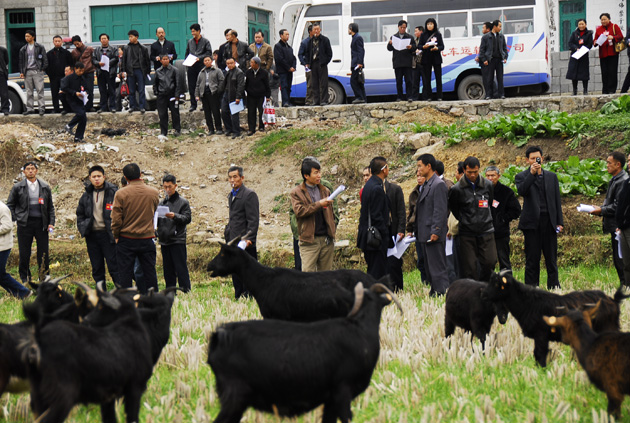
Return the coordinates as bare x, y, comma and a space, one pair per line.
608, 57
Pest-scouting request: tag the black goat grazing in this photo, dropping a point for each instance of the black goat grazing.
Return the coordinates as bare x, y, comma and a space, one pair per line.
155, 313
50, 295
468, 308
603, 356
289, 368
106, 358
528, 305
288, 294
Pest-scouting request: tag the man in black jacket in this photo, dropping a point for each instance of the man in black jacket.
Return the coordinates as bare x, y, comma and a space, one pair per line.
285, 66
4, 76
397, 224
106, 76
470, 201
402, 61
541, 219
357, 53
136, 66
167, 89
257, 87
220, 60
233, 90
614, 164
73, 87
505, 208
318, 55
623, 224
94, 223
493, 55
237, 50
375, 213
31, 205
199, 47
171, 232
58, 59
244, 218
308, 100
160, 47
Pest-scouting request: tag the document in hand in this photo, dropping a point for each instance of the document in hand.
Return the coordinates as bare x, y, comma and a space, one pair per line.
400, 43
585, 208
581, 52
162, 210
601, 40
338, 191
190, 60
235, 108
105, 61
399, 248
85, 97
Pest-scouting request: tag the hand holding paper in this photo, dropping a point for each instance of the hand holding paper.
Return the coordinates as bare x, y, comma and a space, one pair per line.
338, 191
585, 208
601, 40
190, 60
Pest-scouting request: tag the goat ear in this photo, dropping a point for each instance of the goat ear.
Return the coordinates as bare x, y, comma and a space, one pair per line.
109, 300
91, 293
57, 280
380, 288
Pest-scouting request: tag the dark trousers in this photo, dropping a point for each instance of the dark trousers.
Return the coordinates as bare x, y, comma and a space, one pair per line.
542, 239
89, 88
400, 74
626, 83
135, 81
503, 252
212, 109
319, 79
435, 262
426, 80
255, 104
127, 250
395, 272
25, 234
475, 249
193, 73
286, 81
100, 250
4, 94
163, 106
240, 290
230, 121
618, 261
296, 254
55, 83
175, 264
609, 66
79, 119
585, 86
107, 91
358, 88
6, 281
309, 89
456, 265
416, 81
495, 67
420, 264
376, 263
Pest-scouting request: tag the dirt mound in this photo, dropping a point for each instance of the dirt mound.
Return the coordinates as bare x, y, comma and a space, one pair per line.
424, 116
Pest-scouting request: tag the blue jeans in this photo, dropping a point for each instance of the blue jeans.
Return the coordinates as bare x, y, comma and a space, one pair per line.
7, 282
133, 79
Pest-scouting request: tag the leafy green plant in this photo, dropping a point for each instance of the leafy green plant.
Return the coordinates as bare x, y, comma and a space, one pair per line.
618, 105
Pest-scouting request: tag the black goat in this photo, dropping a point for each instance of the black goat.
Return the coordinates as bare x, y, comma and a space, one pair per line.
289, 368
468, 308
604, 356
106, 358
528, 305
155, 313
288, 294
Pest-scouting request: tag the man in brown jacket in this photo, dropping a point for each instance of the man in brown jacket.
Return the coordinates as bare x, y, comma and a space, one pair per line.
315, 219
263, 51
133, 229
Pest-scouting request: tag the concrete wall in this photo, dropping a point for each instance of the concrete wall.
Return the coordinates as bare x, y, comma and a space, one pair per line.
51, 18
560, 62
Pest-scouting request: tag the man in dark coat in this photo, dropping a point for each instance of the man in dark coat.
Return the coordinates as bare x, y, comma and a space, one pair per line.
623, 223
402, 61
233, 89
106, 77
58, 59
614, 164
493, 54
136, 66
85, 54
167, 90
257, 87
375, 213
244, 218
237, 50
357, 53
73, 87
220, 60
94, 222
199, 47
4, 76
285, 66
541, 219
318, 55
160, 47
308, 100
397, 225
505, 208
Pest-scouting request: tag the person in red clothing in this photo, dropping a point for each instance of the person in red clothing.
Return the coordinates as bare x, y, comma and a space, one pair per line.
608, 57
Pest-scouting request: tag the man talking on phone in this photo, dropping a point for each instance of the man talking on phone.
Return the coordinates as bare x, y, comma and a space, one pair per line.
541, 219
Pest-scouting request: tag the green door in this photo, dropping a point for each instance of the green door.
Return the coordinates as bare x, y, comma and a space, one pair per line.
18, 22
257, 20
570, 12
174, 17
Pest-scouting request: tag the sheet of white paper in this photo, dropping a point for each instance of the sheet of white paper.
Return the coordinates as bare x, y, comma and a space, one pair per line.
400, 43
162, 210
190, 60
85, 97
585, 208
155, 218
105, 61
601, 40
235, 108
409, 239
338, 191
581, 52
449, 246
398, 249
618, 238
242, 244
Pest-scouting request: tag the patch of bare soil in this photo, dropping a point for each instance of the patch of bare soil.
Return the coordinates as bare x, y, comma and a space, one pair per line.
425, 116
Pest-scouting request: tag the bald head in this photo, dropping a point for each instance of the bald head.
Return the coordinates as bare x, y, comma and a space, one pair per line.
161, 34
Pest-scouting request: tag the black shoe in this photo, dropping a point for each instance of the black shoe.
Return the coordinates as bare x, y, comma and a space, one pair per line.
235, 135
250, 133
410, 100
6, 113
192, 109
177, 133
261, 129
219, 132
68, 129
399, 99
358, 101
26, 113
63, 113
439, 99
78, 140
227, 133
210, 132
114, 111
142, 111
502, 97
99, 111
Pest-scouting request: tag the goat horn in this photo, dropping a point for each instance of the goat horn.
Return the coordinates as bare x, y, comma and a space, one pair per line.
247, 235
91, 293
99, 286
504, 272
234, 241
110, 301
358, 299
57, 280
380, 288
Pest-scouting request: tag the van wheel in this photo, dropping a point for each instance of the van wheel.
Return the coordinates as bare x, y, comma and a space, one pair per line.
471, 88
15, 104
336, 95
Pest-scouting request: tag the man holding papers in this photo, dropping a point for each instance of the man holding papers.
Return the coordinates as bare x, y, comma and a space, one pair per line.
73, 87
233, 88
105, 60
580, 42
199, 47
606, 36
167, 90
315, 220
403, 48
397, 225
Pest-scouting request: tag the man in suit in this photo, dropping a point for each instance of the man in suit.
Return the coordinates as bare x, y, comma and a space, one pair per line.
4, 76
318, 56
541, 219
431, 228
357, 53
244, 217
505, 208
308, 100
160, 47
58, 59
374, 213
622, 215
614, 164
493, 55
285, 66
402, 60
397, 220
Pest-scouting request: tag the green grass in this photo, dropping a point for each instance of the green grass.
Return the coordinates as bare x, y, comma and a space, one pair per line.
278, 141
420, 377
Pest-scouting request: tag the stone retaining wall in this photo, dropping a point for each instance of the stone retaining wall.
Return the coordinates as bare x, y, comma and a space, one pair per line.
560, 63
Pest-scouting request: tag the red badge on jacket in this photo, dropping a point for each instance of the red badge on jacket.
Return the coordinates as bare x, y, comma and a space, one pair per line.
108, 206
41, 200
